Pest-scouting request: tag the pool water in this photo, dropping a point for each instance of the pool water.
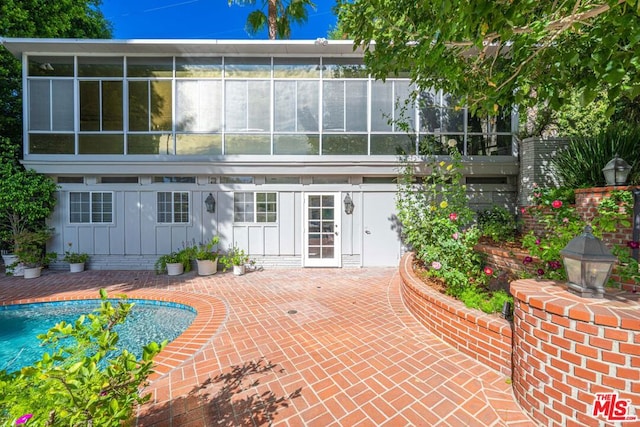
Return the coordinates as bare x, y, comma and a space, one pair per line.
148, 321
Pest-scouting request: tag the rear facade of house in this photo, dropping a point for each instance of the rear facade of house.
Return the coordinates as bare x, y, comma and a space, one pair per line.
157, 144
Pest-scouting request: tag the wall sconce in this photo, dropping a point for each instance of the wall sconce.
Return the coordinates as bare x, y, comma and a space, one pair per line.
616, 171
210, 203
348, 205
588, 263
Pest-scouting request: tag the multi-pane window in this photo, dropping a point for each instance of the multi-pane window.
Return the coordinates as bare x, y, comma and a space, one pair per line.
215, 106
173, 207
90, 207
255, 207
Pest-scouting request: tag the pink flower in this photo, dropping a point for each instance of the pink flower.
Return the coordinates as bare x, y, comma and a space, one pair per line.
554, 265
488, 271
538, 195
540, 272
565, 220
557, 204
455, 236
523, 211
537, 241
535, 185
527, 260
453, 216
23, 419
633, 245
436, 265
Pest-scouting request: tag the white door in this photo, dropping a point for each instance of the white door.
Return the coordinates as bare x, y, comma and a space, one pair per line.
381, 244
322, 234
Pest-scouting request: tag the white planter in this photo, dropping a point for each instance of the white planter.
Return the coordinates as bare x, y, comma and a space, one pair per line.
17, 270
32, 272
238, 270
76, 267
175, 268
207, 267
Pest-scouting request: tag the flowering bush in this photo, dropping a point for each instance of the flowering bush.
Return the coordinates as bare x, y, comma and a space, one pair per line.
562, 223
79, 382
437, 224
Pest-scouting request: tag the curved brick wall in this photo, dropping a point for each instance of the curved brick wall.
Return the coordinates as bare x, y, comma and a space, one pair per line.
486, 338
567, 349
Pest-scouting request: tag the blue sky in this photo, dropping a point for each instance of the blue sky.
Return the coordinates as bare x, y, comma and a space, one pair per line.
200, 19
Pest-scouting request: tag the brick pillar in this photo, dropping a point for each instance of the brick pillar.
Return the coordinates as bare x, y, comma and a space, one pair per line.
566, 349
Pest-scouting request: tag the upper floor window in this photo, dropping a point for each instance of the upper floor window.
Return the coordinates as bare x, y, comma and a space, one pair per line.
90, 207
173, 206
51, 105
255, 207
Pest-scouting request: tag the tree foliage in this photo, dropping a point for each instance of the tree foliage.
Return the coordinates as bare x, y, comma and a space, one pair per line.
279, 17
84, 380
39, 18
27, 198
497, 53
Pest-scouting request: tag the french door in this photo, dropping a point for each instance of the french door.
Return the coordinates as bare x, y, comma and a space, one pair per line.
322, 234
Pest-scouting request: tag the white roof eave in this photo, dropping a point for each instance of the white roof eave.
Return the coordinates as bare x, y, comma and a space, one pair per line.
319, 47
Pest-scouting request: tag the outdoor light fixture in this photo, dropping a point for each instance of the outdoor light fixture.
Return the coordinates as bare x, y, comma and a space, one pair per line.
616, 171
210, 203
506, 310
348, 204
588, 263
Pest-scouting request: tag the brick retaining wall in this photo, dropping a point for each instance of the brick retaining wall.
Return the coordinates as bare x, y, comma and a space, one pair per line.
567, 349
486, 338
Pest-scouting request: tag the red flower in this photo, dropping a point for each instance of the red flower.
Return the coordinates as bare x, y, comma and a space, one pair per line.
488, 271
453, 216
556, 204
633, 245
540, 272
527, 260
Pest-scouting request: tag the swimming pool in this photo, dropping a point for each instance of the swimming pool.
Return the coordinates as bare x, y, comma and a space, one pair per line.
148, 321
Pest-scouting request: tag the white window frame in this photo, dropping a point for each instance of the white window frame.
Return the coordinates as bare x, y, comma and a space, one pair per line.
172, 204
91, 204
253, 201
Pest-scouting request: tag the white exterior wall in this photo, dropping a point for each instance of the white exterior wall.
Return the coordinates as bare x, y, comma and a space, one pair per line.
368, 237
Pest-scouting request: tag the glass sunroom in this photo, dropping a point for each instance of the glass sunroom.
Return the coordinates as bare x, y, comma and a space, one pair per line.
251, 105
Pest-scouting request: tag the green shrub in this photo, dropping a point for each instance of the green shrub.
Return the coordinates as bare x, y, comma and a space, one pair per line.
79, 382
437, 224
580, 164
498, 224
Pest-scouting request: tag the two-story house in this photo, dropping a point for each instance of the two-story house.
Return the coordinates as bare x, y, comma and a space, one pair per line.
287, 149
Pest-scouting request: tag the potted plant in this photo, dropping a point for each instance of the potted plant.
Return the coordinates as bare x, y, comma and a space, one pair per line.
174, 263
238, 259
30, 250
76, 260
207, 257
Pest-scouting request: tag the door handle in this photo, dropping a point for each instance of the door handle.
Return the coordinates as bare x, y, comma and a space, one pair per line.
367, 232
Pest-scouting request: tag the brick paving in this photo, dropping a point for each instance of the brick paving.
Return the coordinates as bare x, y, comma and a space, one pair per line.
297, 347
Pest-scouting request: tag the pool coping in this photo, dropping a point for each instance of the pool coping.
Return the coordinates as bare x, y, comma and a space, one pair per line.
211, 315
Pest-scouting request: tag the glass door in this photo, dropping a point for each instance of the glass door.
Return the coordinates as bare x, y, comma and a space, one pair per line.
322, 230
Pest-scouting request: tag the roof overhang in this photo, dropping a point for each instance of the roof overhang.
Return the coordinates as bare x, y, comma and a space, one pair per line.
318, 47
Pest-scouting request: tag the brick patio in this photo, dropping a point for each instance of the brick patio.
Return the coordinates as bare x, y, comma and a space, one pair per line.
297, 347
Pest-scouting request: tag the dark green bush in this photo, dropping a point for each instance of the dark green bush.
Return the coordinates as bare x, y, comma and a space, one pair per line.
580, 164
